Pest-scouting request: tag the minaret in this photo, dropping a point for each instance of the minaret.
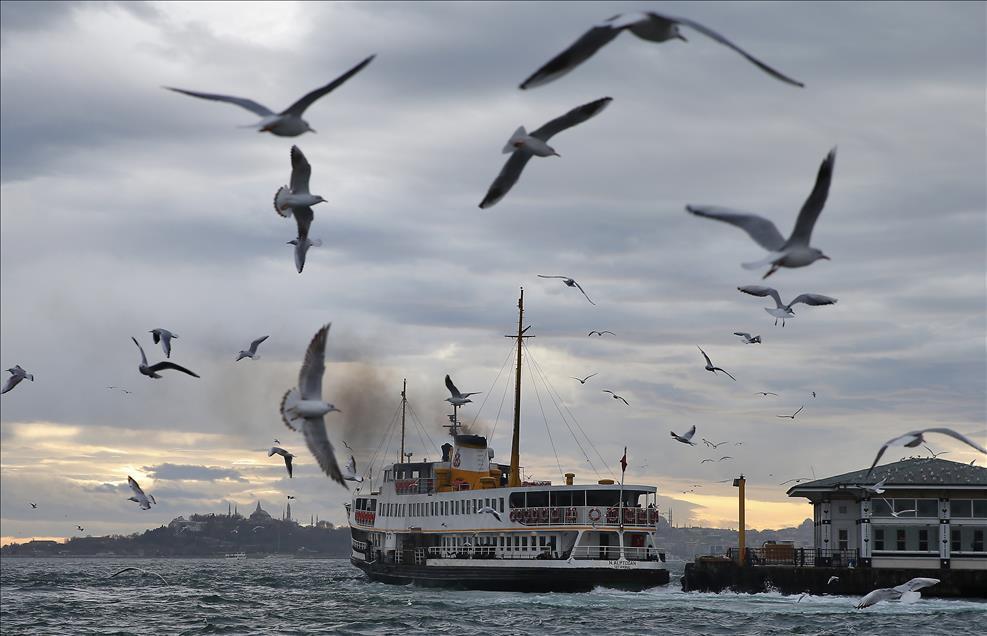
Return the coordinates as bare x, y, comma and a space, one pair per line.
288, 514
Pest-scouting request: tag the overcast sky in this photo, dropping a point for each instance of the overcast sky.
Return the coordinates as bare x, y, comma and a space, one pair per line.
126, 207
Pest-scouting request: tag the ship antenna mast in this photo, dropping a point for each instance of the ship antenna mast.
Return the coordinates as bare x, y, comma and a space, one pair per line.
404, 404
514, 479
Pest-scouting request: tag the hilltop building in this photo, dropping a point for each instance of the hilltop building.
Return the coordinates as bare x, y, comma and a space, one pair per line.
932, 515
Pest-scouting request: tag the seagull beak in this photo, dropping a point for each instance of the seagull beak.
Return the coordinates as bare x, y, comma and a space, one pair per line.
681, 37
824, 256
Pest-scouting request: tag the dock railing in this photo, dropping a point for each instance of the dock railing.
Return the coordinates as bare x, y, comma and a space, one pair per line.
583, 515
797, 557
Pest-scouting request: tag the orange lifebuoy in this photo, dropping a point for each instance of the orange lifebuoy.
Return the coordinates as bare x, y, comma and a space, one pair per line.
594, 515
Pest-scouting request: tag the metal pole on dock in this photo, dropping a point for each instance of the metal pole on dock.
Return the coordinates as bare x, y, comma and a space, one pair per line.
741, 523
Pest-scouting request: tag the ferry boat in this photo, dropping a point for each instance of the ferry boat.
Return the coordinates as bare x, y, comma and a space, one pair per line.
469, 522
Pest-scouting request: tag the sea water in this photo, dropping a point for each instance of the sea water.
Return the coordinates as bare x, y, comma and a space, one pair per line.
278, 595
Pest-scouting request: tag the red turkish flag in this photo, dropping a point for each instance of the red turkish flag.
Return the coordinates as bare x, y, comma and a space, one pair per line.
623, 462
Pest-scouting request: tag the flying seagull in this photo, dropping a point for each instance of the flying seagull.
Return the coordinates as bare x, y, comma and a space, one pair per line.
915, 438
711, 444
616, 397
724, 457
291, 497
121, 388
599, 333
289, 122
144, 501
80, 528
152, 370
16, 375
303, 406
748, 339
650, 26
457, 398
488, 510
711, 368
792, 416
252, 351
906, 592
794, 252
781, 311
832, 580
142, 571
686, 438
569, 282
583, 380
33, 505
877, 488
164, 337
523, 146
349, 471
295, 200
891, 509
933, 453
707, 460
283, 453
766, 393
797, 480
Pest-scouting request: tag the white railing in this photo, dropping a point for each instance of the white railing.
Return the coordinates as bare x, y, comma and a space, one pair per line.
612, 553
359, 546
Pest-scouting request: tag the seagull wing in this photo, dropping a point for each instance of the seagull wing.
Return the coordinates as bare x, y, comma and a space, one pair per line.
877, 459
299, 107
955, 435
689, 433
11, 382
135, 487
916, 584
814, 204
742, 334
553, 276
759, 290
763, 231
143, 357
882, 594
726, 372
623, 400
577, 53
287, 463
167, 364
318, 443
508, 176
129, 569
256, 343
812, 299
351, 466
313, 367
242, 102
584, 294
725, 42
301, 171
452, 387
303, 218
590, 376
609, 332
574, 117
708, 361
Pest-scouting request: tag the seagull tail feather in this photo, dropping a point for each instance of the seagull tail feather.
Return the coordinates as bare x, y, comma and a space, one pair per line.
288, 402
279, 202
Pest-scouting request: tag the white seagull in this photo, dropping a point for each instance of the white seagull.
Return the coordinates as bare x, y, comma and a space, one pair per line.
295, 200
457, 398
289, 122
781, 311
164, 337
832, 580
906, 592
303, 406
252, 351
686, 438
489, 510
139, 497
711, 368
650, 26
277, 450
794, 252
877, 488
916, 438
569, 282
16, 375
616, 397
748, 339
583, 380
792, 416
349, 471
895, 513
142, 571
599, 333
523, 146
711, 444
152, 370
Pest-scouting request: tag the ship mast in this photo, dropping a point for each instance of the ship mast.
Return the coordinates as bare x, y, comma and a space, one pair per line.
404, 404
514, 480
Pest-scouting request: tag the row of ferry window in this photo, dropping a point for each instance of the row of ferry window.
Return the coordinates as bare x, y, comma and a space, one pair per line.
514, 541
441, 508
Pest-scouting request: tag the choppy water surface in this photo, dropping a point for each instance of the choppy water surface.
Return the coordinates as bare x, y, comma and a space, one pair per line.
316, 596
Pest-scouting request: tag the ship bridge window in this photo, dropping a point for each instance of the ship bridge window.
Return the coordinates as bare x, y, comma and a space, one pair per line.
602, 497
517, 500
373, 505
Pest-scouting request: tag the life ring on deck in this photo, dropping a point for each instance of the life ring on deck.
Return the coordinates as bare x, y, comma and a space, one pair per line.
594, 515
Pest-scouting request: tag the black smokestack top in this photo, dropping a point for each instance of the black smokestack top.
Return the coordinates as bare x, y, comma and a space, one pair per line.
446, 452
